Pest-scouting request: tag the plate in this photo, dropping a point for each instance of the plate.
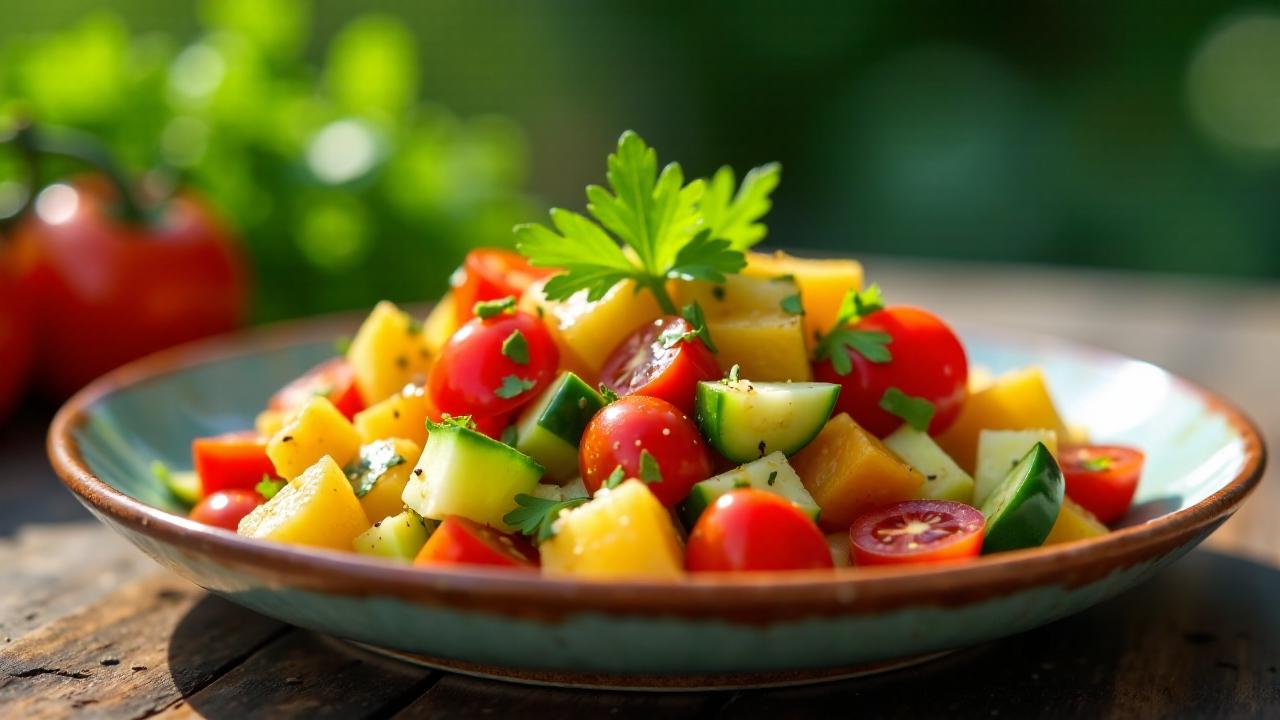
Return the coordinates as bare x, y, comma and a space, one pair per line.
1204, 457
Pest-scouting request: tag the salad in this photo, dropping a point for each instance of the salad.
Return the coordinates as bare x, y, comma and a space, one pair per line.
636, 393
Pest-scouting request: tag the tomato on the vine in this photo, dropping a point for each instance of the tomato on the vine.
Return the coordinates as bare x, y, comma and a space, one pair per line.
1102, 478
662, 359
649, 439
917, 531
491, 274
755, 530
928, 361
459, 541
333, 379
493, 365
225, 508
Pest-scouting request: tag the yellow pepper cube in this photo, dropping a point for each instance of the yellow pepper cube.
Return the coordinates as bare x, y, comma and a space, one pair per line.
1017, 401
587, 332
1074, 523
384, 467
388, 352
737, 295
316, 430
823, 284
621, 533
269, 422
441, 323
848, 471
319, 509
403, 415
765, 347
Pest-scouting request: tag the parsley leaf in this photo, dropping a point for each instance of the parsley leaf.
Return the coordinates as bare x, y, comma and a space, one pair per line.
917, 412
447, 420
516, 348
268, 486
732, 375
375, 460
512, 386
650, 473
493, 308
791, 304
607, 393
706, 259
773, 477
692, 313
734, 217
858, 304
615, 478
844, 339
537, 516
1097, 463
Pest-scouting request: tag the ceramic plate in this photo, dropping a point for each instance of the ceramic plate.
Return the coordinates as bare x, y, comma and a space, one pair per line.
1203, 459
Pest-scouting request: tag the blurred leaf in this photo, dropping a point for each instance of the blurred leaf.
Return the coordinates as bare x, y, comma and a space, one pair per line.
75, 76
372, 67
277, 27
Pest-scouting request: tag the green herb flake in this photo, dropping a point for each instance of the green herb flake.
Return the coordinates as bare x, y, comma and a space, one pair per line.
732, 376
608, 394
516, 348
268, 486
537, 516
1097, 463
916, 412
845, 339
692, 313
741, 484
452, 421
493, 308
512, 386
773, 477
650, 473
375, 460
615, 478
791, 304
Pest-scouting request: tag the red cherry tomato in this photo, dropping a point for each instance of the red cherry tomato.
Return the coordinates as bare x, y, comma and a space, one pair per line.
928, 362
621, 434
104, 291
755, 530
491, 274
459, 541
235, 461
333, 379
917, 531
226, 508
480, 373
1102, 478
16, 344
654, 362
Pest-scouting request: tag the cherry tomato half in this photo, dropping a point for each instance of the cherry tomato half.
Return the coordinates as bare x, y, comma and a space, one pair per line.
459, 541
928, 362
491, 274
234, 461
493, 365
333, 379
1102, 478
625, 430
225, 508
917, 531
755, 530
655, 361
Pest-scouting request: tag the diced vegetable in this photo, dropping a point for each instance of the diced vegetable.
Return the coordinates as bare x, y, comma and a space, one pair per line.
379, 474
587, 332
746, 420
737, 295
749, 530
333, 379
1017, 401
770, 474
623, 533
459, 541
269, 422
1074, 523
318, 429
183, 484
441, 322
550, 429
397, 537
317, 509
917, 531
1022, 510
848, 471
822, 283
765, 346
225, 508
1103, 478
999, 450
403, 415
387, 353
462, 472
943, 478
234, 461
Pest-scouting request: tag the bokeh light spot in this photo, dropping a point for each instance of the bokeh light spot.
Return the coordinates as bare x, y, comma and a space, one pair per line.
57, 203
197, 72
1233, 83
342, 151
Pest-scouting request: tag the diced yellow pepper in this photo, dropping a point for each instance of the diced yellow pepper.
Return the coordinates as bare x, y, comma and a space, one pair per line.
441, 323
738, 295
621, 533
823, 284
316, 430
1017, 401
848, 471
1074, 523
269, 422
765, 347
383, 499
319, 509
403, 415
388, 352
587, 332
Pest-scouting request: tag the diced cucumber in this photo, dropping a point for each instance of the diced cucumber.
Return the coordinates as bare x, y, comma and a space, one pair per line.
771, 473
183, 484
1000, 450
398, 537
747, 420
462, 472
944, 480
549, 430
1024, 506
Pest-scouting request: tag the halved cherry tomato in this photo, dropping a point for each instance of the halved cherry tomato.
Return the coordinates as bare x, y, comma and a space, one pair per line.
333, 379
480, 371
917, 531
1102, 478
659, 362
234, 461
928, 362
624, 431
491, 274
755, 530
459, 541
226, 508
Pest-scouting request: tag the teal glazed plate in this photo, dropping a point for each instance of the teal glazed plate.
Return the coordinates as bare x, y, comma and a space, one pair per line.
767, 629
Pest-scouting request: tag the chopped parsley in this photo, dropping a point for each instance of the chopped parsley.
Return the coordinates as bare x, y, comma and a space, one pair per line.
650, 473
916, 412
845, 338
692, 314
1097, 463
447, 421
607, 393
375, 460
615, 478
773, 477
537, 516
516, 348
268, 486
791, 304
513, 385
493, 308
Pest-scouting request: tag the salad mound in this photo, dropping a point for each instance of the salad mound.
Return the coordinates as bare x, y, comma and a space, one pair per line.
636, 393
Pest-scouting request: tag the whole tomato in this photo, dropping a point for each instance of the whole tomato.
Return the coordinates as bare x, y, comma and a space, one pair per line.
631, 428
493, 365
16, 344
754, 530
105, 290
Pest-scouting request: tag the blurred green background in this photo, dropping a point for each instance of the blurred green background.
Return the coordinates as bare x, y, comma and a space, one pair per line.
361, 147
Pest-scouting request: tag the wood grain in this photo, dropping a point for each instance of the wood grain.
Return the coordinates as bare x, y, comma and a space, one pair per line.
455, 696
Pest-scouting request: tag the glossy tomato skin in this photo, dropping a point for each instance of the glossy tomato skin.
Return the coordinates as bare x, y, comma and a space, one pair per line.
334, 379
747, 530
234, 461
1102, 478
917, 531
619, 434
928, 362
648, 364
17, 348
104, 291
471, 367
459, 541
225, 508
491, 274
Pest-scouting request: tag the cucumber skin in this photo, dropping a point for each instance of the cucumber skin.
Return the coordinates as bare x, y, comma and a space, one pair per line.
709, 411
551, 428
1026, 520
568, 418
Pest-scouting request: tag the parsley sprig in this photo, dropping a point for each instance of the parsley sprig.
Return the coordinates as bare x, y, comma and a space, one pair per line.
915, 411
537, 516
845, 338
673, 230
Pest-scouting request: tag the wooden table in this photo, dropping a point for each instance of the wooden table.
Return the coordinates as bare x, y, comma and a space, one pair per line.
91, 627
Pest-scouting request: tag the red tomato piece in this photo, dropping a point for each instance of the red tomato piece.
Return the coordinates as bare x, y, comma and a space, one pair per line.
755, 530
17, 342
917, 531
492, 366
333, 379
928, 362
491, 274
626, 430
655, 361
1102, 478
234, 461
226, 508
459, 541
